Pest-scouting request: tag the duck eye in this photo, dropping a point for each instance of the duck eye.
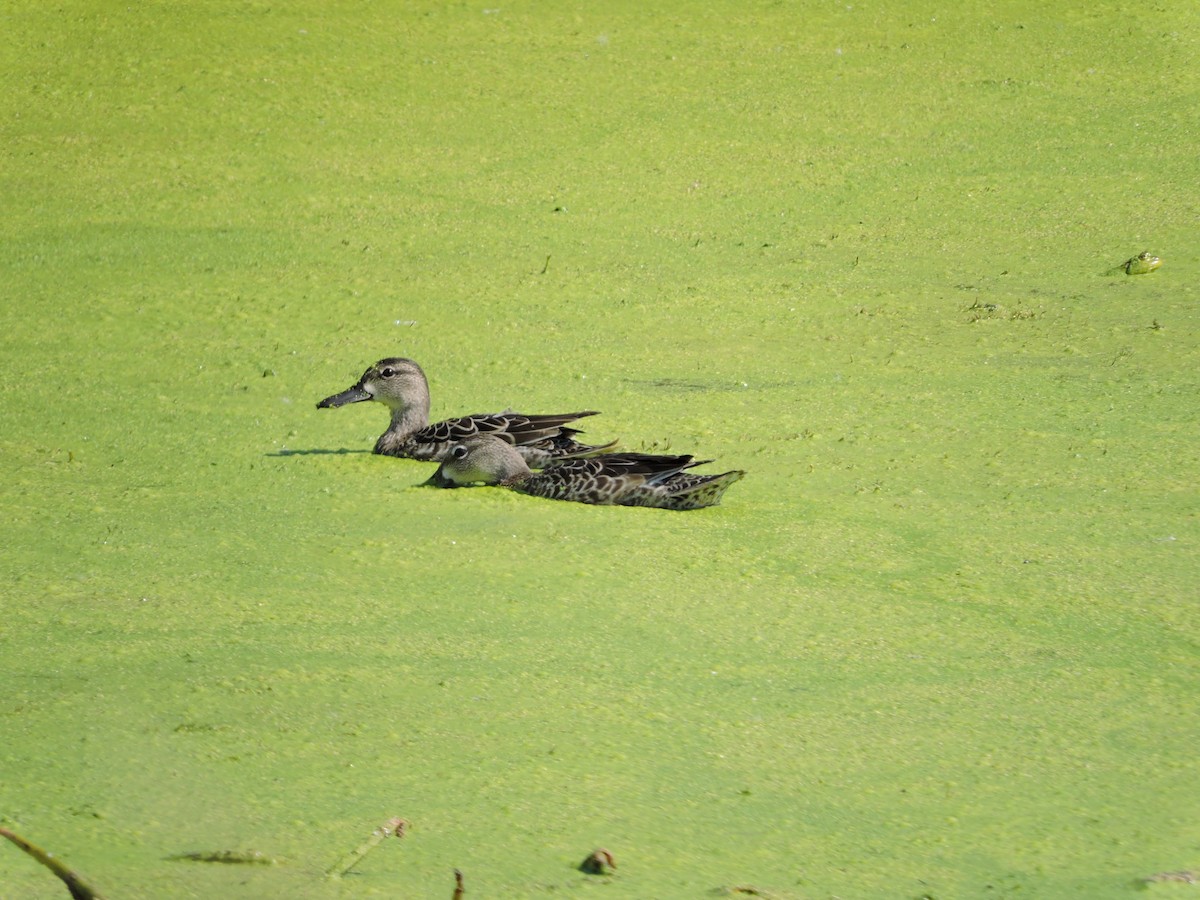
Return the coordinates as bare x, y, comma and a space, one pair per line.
459, 452
387, 373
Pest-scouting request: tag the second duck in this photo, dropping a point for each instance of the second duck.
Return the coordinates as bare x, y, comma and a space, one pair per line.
617, 479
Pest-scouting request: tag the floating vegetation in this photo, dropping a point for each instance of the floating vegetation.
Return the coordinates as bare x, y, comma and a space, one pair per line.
396, 826
990, 311
1190, 876
230, 857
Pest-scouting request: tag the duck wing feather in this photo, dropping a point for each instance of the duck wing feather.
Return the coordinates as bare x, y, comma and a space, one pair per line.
514, 428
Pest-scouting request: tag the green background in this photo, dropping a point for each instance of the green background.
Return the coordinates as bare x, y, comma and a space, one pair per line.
940, 642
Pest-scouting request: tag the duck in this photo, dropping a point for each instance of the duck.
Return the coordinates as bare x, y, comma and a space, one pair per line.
609, 479
400, 385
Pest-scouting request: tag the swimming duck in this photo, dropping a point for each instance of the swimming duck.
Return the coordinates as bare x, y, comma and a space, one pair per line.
621, 479
401, 386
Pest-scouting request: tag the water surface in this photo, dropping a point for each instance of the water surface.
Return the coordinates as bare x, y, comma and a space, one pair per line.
939, 642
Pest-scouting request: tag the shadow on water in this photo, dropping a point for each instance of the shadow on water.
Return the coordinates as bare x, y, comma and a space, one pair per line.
690, 386
680, 385
316, 451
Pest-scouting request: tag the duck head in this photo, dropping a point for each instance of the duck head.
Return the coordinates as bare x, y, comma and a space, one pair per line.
484, 458
397, 383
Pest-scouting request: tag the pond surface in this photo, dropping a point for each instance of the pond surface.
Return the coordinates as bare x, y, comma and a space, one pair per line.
940, 641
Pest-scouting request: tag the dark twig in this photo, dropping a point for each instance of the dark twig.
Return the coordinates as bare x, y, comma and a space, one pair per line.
79, 888
459, 889
237, 857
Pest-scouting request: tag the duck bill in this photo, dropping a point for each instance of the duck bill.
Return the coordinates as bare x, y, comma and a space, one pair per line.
356, 394
437, 479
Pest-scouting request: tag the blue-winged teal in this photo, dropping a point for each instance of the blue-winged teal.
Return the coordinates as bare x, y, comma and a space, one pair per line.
622, 479
400, 385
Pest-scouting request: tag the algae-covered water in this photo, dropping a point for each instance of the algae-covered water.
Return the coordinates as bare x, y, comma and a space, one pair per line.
940, 642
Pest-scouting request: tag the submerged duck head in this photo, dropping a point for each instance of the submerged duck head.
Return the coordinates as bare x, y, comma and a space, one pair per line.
397, 383
485, 459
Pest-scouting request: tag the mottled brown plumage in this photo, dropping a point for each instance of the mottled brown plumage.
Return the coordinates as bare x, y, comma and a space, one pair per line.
400, 385
621, 479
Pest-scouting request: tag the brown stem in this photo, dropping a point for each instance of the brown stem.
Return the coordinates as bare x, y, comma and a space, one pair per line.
80, 889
